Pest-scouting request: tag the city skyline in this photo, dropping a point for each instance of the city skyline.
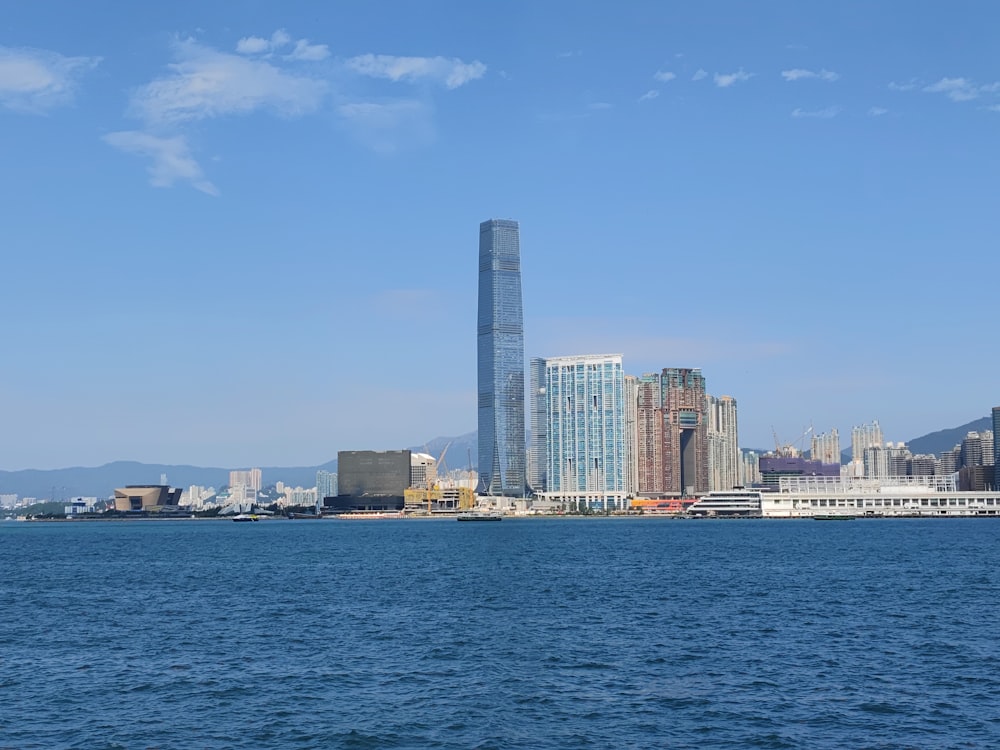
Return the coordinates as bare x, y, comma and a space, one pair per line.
791, 198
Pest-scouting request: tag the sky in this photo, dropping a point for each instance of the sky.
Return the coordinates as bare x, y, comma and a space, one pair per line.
247, 234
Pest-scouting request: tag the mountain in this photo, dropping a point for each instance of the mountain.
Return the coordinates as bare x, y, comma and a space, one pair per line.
100, 481
935, 442
942, 440
462, 450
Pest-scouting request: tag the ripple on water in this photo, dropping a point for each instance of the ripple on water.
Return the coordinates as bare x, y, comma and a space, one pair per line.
534, 635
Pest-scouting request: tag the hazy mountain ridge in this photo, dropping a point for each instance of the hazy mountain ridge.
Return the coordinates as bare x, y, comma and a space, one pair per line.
100, 481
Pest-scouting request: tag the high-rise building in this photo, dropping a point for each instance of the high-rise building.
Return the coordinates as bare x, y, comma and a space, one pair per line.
863, 437
749, 468
649, 436
246, 478
500, 344
996, 447
672, 433
326, 484
539, 426
825, 447
723, 446
631, 434
587, 432
949, 461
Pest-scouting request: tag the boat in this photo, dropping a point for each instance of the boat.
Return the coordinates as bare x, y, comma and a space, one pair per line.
479, 516
736, 503
245, 518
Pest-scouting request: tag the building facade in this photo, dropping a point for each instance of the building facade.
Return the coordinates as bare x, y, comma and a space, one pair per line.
500, 349
723, 443
326, 484
539, 429
672, 433
586, 432
246, 478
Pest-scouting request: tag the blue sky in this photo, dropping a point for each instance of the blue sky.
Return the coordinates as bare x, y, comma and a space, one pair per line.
256, 227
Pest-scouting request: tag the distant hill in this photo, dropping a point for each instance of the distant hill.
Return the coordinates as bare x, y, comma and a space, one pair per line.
936, 442
942, 440
100, 481
460, 449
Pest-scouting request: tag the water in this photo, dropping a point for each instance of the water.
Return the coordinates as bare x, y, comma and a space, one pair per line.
562, 633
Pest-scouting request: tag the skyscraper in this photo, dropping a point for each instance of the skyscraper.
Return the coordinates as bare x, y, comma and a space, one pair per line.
723, 450
672, 432
500, 360
996, 447
587, 434
539, 426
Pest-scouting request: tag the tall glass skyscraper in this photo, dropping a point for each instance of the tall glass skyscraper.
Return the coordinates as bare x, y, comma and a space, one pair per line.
501, 360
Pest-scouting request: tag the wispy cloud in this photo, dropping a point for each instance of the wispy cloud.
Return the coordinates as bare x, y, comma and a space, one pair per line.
957, 89
309, 52
725, 80
255, 45
279, 40
205, 83
699, 74
36, 80
171, 158
822, 114
908, 86
600, 105
651, 94
877, 111
452, 72
664, 75
799, 74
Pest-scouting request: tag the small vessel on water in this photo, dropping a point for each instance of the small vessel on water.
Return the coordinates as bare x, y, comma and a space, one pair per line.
735, 503
474, 515
245, 518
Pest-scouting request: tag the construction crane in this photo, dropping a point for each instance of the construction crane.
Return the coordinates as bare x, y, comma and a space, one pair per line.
789, 449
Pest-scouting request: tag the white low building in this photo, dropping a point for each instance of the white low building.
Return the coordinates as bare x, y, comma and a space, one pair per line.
805, 497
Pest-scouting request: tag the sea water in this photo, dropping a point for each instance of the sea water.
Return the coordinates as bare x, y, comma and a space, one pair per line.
551, 633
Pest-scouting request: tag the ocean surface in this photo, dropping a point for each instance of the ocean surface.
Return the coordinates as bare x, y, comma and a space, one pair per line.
559, 633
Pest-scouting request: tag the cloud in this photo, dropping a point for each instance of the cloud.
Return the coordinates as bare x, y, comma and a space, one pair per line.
651, 94
956, 89
725, 80
664, 75
205, 83
798, 74
600, 105
36, 80
388, 127
822, 114
451, 72
877, 111
909, 86
699, 74
309, 52
255, 45
171, 158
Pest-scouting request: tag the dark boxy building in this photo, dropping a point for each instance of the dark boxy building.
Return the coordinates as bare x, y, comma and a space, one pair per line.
772, 468
370, 480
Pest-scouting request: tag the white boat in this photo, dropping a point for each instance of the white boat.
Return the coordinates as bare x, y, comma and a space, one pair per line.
479, 516
728, 504
245, 518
